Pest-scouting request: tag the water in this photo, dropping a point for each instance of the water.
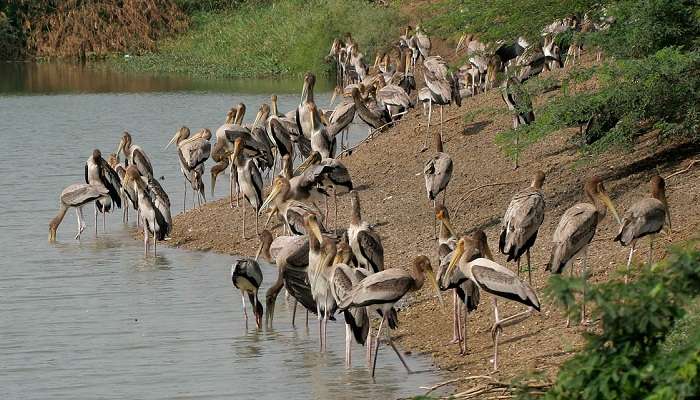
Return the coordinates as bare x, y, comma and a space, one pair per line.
95, 319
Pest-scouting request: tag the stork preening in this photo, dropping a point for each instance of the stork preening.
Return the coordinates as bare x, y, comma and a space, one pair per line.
576, 229
192, 153
127, 194
365, 242
76, 195
498, 281
152, 220
646, 217
247, 277
99, 173
522, 221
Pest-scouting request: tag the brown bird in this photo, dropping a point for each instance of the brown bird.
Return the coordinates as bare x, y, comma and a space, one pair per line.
646, 217
522, 221
577, 228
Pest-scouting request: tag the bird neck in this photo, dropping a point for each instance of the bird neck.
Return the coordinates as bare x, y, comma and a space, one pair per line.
56, 221
599, 205
418, 280
444, 234
273, 107
356, 216
265, 253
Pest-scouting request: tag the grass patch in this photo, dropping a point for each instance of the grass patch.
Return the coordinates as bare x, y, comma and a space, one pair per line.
266, 39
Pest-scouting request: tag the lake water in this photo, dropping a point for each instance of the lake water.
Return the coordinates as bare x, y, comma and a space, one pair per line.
95, 319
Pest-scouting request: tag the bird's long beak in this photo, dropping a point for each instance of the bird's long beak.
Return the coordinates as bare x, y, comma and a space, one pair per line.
52, 235
431, 277
608, 203
303, 166
236, 149
316, 231
275, 191
120, 147
456, 256
272, 213
257, 253
175, 136
449, 227
335, 94
304, 92
323, 118
213, 182
459, 44
258, 117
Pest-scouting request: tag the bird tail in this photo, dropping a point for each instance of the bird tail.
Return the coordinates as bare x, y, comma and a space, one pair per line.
555, 264
359, 323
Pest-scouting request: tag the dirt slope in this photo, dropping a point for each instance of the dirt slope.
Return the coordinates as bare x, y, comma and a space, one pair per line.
393, 196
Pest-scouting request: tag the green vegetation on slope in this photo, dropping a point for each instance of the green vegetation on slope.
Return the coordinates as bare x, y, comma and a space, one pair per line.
649, 346
279, 38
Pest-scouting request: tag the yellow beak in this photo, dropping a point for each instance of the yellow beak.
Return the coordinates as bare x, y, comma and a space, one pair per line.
456, 256
275, 191
303, 166
608, 203
431, 277
177, 134
316, 231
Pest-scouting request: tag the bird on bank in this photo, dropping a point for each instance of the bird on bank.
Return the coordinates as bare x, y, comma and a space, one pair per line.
382, 290
134, 155
420, 45
522, 221
192, 153
321, 141
376, 119
576, 229
437, 173
467, 295
249, 181
498, 281
520, 106
247, 277
153, 222
76, 196
291, 211
329, 174
365, 242
442, 88
646, 217
99, 173
221, 151
127, 194
291, 256
306, 115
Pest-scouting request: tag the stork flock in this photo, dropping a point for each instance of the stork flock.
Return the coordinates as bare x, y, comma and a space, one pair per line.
332, 270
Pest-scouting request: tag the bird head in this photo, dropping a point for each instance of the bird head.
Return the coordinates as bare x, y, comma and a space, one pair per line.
658, 191
124, 143
443, 215
422, 267
313, 159
181, 134
596, 191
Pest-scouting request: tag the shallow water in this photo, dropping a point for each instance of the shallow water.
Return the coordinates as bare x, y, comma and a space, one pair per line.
94, 318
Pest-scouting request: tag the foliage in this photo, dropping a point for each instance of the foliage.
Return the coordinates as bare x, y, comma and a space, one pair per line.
630, 357
493, 20
88, 28
288, 37
193, 6
661, 91
643, 27
10, 42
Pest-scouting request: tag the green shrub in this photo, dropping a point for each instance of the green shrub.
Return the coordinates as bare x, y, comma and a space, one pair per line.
630, 358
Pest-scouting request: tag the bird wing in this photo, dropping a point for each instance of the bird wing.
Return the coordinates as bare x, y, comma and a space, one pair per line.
500, 281
575, 230
642, 218
438, 172
522, 219
394, 95
341, 117
257, 183
371, 248
387, 286
342, 280
81, 193
199, 153
297, 283
142, 163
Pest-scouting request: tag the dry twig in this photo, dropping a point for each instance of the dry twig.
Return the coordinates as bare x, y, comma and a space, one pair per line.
686, 169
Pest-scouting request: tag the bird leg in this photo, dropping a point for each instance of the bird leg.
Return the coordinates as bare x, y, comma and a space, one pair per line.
368, 344
77, 213
441, 122
464, 328
245, 311
651, 247
398, 353
629, 260
155, 243
348, 339
256, 224
294, 311
95, 218
145, 242
455, 318
244, 207
518, 263
570, 264
335, 206
376, 344
584, 273
495, 332
434, 222
104, 222
184, 199
427, 129
517, 150
529, 268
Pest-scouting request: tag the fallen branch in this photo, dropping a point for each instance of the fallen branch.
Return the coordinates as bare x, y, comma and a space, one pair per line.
466, 195
686, 169
369, 136
466, 378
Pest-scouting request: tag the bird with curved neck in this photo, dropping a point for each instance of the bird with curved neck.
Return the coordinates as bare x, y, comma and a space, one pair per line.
247, 277
576, 229
320, 140
76, 195
646, 217
152, 219
495, 279
99, 173
365, 242
383, 289
192, 153
291, 211
522, 221
306, 115
437, 173
375, 119
221, 152
135, 155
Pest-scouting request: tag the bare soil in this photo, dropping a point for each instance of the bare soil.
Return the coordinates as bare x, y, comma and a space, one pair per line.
386, 170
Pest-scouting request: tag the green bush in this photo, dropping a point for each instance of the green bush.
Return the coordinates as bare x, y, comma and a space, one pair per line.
280, 38
630, 358
661, 92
